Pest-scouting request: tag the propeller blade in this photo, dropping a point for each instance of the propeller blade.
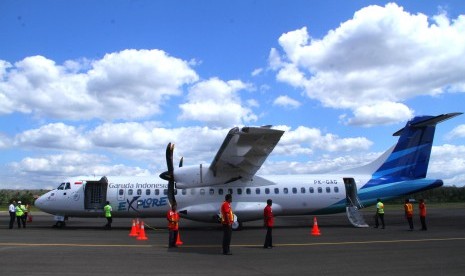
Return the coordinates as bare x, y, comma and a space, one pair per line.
181, 161
169, 175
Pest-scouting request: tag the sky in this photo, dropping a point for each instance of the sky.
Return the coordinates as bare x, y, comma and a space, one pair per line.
100, 87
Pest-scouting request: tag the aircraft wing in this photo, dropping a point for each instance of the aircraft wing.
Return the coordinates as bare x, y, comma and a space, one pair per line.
243, 151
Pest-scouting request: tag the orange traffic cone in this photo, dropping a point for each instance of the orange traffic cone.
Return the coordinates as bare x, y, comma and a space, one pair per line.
142, 235
315, 230
178, 240
133, 232
137, 226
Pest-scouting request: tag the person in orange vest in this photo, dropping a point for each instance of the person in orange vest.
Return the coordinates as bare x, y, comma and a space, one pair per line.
227, 219
408, 207
173, 225
422, 208
268, 222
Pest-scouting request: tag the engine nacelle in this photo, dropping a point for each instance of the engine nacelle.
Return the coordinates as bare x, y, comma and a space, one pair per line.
200, 176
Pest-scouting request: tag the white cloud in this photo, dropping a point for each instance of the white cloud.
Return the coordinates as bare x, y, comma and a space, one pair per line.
448, 163
304, 140
124, 85
381, 57
56, 136
286, 101
457, 132
217, 103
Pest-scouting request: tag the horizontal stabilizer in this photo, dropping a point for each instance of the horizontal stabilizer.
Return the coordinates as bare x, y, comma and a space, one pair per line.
430, 121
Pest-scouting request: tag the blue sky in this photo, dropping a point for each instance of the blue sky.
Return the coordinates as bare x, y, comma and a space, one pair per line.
100, 87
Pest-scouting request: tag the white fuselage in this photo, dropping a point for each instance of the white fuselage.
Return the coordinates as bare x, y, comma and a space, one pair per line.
147, 197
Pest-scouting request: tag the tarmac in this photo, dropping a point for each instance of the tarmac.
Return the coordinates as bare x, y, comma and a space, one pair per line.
84, 248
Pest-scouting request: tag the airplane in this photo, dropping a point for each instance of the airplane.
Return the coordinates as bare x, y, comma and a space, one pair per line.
200, 190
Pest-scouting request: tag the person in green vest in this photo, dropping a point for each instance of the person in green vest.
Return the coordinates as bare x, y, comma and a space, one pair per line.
20, 215
107, 210
379, 213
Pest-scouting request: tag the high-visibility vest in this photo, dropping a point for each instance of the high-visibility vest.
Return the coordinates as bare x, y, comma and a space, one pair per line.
408, 209
173, 220
19, 211
227, 216
107, 210
422, 209
380, 207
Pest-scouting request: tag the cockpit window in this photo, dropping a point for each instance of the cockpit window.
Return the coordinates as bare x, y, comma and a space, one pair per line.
67, 186
61, 187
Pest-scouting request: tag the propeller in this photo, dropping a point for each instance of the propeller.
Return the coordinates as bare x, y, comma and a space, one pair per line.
169, 175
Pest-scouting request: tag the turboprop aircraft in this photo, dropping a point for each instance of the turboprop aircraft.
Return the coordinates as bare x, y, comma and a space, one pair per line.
200, 190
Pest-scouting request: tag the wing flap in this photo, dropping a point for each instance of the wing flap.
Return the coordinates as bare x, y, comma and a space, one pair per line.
244, 151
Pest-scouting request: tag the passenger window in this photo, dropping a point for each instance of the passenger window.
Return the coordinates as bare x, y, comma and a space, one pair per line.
247, 191
311, 190
285, 190
302, 190
147, 192
257, 191
202, 191
175, 191
320, 190
157, 192
328, 189
267, 190
294, 190
212, 191
239, 191
130, 191
121, 192
139, 191
276, 190
336, 189
230, 191
183, 191
220, 191
165, 191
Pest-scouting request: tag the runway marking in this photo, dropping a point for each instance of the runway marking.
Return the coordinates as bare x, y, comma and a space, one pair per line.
232, 245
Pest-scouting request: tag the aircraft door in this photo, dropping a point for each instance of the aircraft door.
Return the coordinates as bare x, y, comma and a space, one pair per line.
351, 193
95, 194
353, 204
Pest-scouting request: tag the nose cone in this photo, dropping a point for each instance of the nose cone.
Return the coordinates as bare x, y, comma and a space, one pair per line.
42, 203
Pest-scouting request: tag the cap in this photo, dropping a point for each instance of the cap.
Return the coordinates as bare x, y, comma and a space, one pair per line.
19, 201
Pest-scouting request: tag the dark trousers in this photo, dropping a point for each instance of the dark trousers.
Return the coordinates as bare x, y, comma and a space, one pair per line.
423, 222
21, 220
109, 221
173, 235
381, 217
12, 219
268, 238
227, 233
410, 222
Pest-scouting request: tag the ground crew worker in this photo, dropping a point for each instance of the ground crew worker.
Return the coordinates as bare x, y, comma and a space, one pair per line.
19, 215
408, 207
268, 222
12, 211
173, 225
227, 219
379, 213
422, 208
107, 210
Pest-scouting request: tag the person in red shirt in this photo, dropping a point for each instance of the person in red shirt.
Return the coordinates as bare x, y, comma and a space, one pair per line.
408, 207
422, 208
268, 222
173, 225
227, 219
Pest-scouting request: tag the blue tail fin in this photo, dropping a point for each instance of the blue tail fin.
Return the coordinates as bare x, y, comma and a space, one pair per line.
410, 157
